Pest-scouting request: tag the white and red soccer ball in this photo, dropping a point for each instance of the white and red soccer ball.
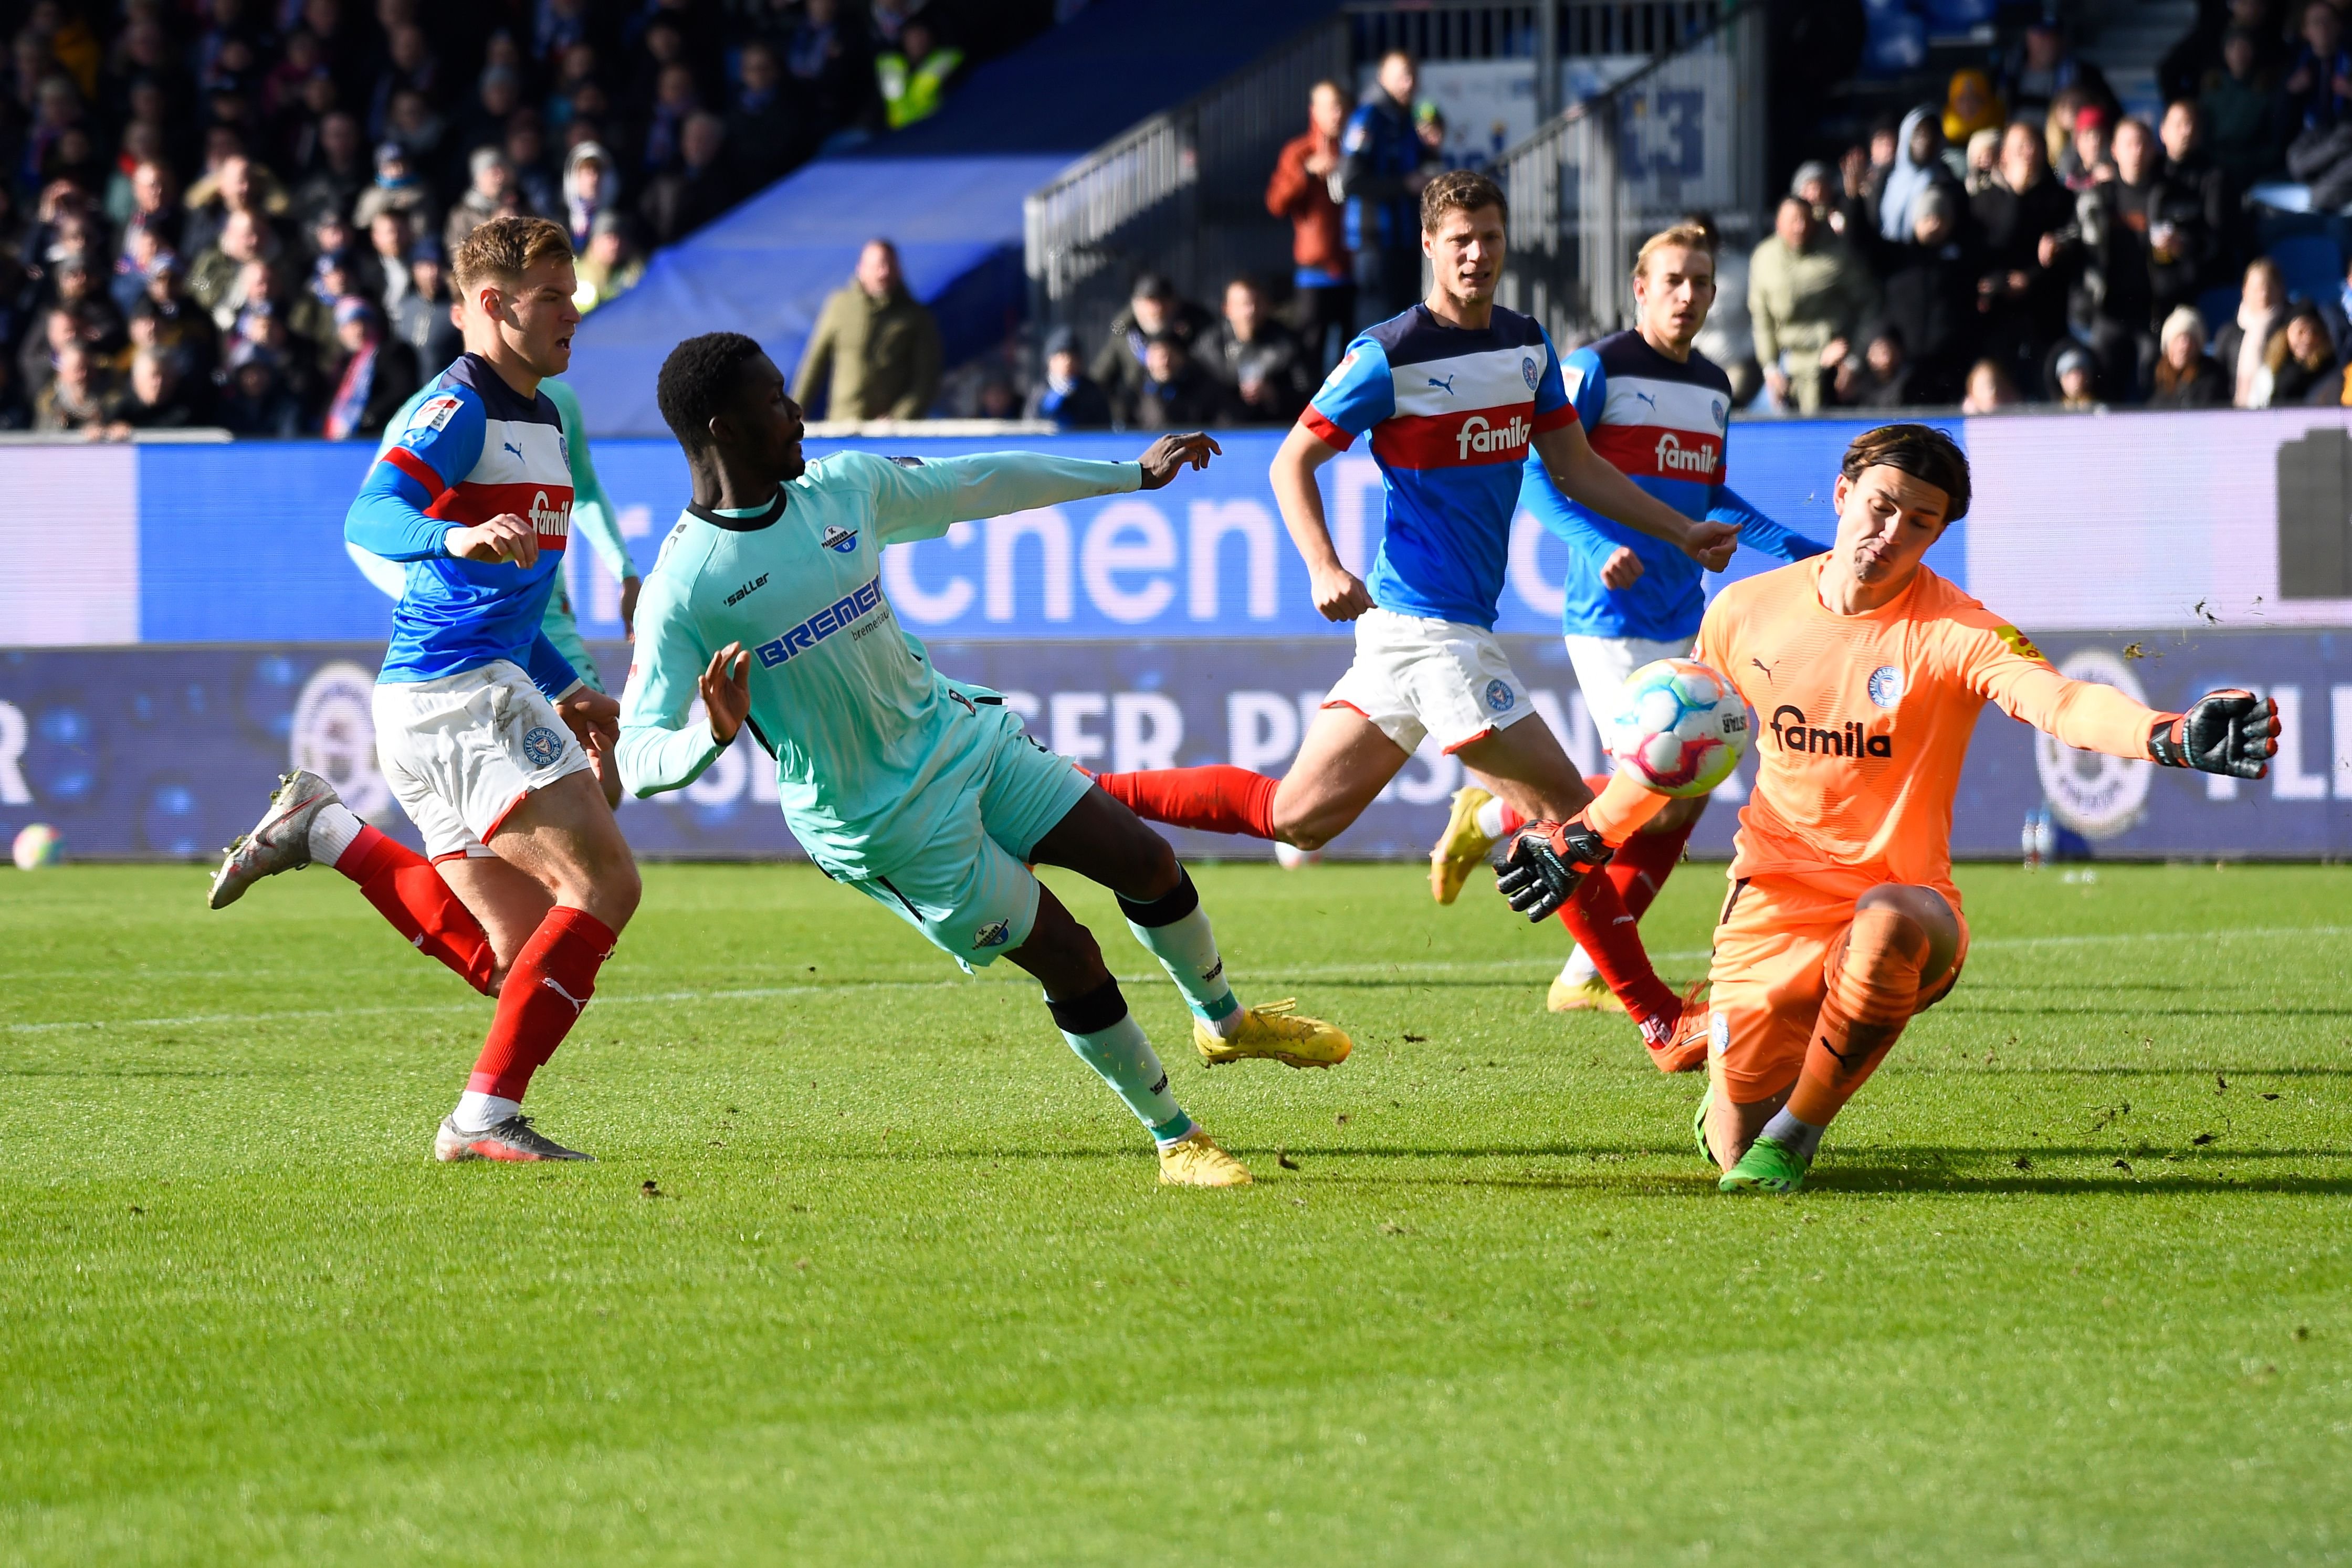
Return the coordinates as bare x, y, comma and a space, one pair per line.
1679, 728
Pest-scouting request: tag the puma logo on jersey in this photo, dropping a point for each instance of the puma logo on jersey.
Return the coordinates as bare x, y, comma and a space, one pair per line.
1445, 386
749, 588
1763, 666
510, 446
840, 540
1792, 734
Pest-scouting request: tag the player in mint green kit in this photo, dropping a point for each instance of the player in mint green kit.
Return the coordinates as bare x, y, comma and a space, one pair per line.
593, 518
924, 794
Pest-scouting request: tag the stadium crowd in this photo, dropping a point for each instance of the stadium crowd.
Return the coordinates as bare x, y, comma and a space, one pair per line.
2025, 241
239, 212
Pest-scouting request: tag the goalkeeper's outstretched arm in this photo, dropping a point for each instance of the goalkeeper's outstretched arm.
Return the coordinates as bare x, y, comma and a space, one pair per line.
2231, 731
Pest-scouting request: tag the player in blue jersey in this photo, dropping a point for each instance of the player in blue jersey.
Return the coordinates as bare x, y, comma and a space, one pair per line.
918, 791
485, 731
1455, 395
1660, 411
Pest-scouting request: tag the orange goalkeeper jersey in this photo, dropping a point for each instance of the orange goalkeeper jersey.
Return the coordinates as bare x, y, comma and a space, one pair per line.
1864, 722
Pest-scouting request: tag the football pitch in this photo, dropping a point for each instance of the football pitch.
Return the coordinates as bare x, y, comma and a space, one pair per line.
874, 1269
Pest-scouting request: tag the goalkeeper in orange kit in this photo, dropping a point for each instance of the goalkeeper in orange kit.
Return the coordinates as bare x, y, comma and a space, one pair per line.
1866, 671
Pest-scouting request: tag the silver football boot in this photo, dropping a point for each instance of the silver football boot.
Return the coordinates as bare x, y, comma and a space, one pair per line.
512, 1139
279, 841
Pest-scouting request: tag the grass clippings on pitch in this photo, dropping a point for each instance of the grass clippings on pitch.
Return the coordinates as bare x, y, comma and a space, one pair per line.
873, 1270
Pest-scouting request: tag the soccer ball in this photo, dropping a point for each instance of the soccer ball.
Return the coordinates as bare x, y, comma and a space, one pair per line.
38, 845
1291, 859
1679, 727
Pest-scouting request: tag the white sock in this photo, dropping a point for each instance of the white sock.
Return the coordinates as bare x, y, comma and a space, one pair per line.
1802, 1139
333, 829
1490, 818
479, 1112
1579, 968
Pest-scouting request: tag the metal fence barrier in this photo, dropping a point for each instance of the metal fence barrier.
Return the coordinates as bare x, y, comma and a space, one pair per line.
1183, 191
1682, 134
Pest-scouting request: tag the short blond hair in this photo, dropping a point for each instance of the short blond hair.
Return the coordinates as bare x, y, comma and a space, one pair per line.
1681, 236
505, 248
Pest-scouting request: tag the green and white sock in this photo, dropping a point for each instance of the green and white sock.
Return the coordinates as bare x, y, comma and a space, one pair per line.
1108, 1040
1175, 930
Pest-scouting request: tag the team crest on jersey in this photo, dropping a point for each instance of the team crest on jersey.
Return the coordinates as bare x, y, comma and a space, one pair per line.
1718, 1034
1721, 414
840, 540
1528, 372
542, 746
1500, 698
995, 933
1885, 686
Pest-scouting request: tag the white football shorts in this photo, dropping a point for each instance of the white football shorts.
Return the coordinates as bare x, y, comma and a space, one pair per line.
1442, 680
462, 751
1603, 664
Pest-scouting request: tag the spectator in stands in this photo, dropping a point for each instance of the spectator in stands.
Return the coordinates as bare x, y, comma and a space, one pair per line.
526, 148
1300, 189
388, 243
2241, 112
590, 188
1177, 393
256, 400
158, 398
225, 275
1881, 378
1816, 184
913, 78
1989, 389
2087, 159
164, 320
2042, 66
2186, 376
490, 194
1728, 338
1265, 376
2300, 366
2073, 376
1808, 294
833, 64
2183, 71
398, 188
79, 396
762, 132
1984, 161
876, 350
2167, 213
236, 187
2240, 345
337, 171
1929, 286
1918, 164
2197, 180
1864, 172
1381, 177
610, 266
376, 376
697, 187
424, 319
1067, 395
1970, 106
2318, 108
2016, 217
1153, 307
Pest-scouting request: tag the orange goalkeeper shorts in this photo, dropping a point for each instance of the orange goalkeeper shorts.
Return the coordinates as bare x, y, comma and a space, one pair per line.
1773, 947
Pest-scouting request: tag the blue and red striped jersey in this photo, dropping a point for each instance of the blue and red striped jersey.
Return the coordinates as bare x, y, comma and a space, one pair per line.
1664, 423
473, 449
1451, 412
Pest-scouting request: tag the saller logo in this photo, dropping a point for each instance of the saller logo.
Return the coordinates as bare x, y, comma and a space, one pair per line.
1676, 458
1789, 729
1478, 436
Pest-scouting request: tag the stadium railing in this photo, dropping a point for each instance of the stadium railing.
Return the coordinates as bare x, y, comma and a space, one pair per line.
1684, 133
1182, 193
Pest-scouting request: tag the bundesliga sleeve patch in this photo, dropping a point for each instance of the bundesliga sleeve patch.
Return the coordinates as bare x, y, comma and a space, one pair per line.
434, 413
2020, 644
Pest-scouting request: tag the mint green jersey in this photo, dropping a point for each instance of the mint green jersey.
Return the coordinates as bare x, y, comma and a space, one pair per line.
874, 749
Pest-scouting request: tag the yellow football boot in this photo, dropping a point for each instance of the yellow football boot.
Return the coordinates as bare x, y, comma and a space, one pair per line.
1462, 848
1276, 1032
1591, 994
1194, 1160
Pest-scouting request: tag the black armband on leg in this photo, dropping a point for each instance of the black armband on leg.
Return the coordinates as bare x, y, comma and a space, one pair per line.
1167, 910
1091, 1013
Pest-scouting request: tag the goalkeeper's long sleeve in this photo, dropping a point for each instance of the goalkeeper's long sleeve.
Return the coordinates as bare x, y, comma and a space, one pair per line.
2007, 669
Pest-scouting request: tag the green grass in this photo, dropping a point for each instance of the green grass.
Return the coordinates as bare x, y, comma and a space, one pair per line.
909, 1292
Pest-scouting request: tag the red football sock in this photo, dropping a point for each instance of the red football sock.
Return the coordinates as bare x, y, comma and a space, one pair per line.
1597, 917
408, 891
1641, 867
551, 982
1217, 798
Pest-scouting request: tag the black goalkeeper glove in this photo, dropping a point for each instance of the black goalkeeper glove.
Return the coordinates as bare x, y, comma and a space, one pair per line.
1539, 868
2231, 732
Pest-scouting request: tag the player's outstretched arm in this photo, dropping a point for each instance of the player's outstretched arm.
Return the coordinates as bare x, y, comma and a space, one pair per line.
1340, 594
921, 498
2230, 732
660, 748
1585, 477
1758, 531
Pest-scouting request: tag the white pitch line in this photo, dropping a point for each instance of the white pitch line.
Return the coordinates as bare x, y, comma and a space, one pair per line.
1505, 967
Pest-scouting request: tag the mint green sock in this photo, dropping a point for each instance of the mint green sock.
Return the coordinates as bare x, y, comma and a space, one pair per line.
1116, 1048
1175, 930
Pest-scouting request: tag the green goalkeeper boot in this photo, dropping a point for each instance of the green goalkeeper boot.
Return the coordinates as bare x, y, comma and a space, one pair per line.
1767, 1166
